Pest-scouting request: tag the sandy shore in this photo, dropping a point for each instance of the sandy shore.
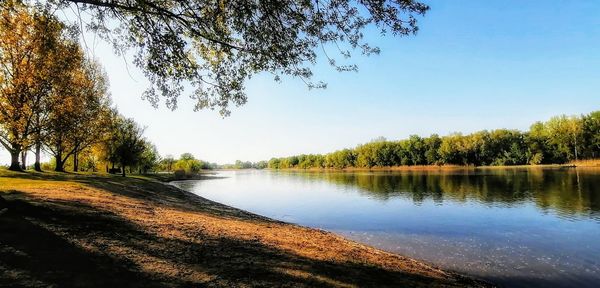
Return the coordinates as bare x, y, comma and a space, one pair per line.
109, 231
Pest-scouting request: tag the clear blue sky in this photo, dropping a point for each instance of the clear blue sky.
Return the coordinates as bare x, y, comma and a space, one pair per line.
474, 65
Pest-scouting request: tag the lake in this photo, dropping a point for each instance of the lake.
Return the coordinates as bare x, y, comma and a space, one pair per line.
516, 227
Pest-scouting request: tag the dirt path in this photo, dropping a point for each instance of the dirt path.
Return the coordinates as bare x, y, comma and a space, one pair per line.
101, 231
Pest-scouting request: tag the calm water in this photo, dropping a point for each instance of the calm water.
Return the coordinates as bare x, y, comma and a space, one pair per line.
515, 227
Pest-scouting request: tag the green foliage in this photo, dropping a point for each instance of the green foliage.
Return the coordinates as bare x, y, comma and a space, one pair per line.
451, 150
188, 163
239, 164
565, 135
149, 159
261, 165
536, 159
432, 146
186, 156
215, 46
274, 163
166, 163
340, 159
591, 135
127, 144
242, 165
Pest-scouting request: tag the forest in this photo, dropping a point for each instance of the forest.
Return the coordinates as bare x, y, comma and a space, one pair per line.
559, 140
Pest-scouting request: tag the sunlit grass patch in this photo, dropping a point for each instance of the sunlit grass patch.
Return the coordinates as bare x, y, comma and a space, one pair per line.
15, 180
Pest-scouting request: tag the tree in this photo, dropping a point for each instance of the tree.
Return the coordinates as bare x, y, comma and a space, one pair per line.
537, 145
187, 156
148, 159
239, 164
90, 158
451, 149
508, 147
416, 147
591, 134
260, 165
110, 142
566, 134
28, 54
340, 159
167, 163
95, 116
215, 46
188, 163
274, 163
79, 107
129, 144
432, 145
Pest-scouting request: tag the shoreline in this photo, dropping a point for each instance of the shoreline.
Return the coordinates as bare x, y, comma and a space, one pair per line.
110, 230
429, 168
211, 174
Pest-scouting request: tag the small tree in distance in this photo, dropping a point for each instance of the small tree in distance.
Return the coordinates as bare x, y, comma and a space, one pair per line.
129, 144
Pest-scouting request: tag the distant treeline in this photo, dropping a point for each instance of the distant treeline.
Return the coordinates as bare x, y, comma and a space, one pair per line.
189, 164
245, 165
558, 140
186, 162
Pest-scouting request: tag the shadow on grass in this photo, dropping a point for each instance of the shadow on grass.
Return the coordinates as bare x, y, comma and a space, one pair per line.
152, 191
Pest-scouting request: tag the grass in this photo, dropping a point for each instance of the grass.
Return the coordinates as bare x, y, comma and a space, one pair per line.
102, 231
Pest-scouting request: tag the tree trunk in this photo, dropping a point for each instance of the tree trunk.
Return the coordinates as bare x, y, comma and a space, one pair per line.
575, 138
14, 160
38, 151
75, 162
24, 159
123, 170
59, 164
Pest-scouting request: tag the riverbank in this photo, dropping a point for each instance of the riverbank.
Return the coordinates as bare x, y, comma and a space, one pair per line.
99, 231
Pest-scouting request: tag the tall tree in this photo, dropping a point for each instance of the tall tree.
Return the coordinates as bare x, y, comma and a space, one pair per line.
215, 46
94, 118
432, 146
566, 134
78, 106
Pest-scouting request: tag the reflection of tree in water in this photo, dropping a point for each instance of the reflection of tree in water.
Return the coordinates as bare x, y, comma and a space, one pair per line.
566, 191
